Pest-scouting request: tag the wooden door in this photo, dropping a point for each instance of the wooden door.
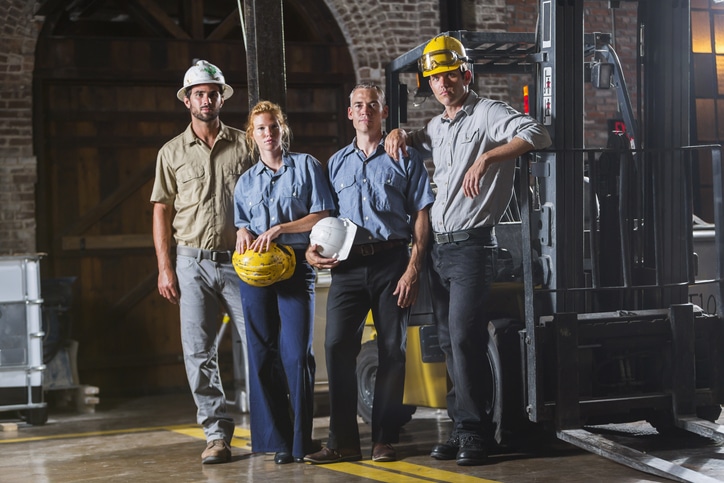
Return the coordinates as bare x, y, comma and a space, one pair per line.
105, 82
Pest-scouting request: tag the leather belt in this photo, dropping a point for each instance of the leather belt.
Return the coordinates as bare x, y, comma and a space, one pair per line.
218, 256
462, 235
368, 249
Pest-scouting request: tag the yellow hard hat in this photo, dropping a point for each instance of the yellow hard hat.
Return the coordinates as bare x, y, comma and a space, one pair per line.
442, 54
261, 269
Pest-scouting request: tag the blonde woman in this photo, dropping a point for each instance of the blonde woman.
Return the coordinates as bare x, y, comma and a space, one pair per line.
279, 199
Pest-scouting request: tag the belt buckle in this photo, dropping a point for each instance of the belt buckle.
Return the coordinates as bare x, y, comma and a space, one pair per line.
442, 238
367, 250
217, 257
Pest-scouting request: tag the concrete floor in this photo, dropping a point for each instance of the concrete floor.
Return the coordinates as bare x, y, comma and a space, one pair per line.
155, 439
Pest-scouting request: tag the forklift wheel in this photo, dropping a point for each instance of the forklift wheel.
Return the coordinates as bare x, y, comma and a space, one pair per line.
505, 395
366, 375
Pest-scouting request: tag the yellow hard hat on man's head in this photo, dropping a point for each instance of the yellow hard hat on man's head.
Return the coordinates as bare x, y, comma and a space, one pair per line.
442, 54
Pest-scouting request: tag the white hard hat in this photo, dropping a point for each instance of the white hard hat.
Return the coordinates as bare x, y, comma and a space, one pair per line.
203, 72
334, 236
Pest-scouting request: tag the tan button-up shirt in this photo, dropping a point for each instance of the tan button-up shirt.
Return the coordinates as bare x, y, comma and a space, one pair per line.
199, 181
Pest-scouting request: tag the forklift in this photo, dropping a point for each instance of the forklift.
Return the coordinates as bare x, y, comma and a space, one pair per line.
591, 322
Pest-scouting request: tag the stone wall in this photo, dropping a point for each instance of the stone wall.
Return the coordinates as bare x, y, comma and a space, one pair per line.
18, 166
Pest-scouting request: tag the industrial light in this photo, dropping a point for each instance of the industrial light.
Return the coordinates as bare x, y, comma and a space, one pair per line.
718, 1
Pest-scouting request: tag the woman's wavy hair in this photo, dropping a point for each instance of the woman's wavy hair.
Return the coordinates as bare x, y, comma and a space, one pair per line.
276, 111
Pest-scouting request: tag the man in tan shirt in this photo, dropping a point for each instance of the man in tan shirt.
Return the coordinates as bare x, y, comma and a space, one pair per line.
193, 195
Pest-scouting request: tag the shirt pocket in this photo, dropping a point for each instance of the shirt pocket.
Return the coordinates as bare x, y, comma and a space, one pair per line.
296, 197
347, 195
259, 214
190, 183
468, 137
390, 185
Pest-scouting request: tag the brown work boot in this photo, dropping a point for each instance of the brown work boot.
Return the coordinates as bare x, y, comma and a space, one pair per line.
383, 452
217, 451
328, 455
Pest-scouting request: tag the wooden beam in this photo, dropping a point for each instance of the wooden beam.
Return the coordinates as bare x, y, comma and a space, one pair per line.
265, 51
159, 15
133, 297
106, 242
196, 19
226, 26
130, 187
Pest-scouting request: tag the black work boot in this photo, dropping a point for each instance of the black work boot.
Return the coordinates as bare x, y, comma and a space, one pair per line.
472, 450
447, 450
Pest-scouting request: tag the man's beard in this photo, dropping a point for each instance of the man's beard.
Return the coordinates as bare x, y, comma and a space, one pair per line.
205, 116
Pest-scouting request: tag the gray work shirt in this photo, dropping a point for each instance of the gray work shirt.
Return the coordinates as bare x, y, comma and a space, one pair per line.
481, 125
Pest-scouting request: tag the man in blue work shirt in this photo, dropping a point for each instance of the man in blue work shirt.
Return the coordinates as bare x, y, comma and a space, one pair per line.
388, 201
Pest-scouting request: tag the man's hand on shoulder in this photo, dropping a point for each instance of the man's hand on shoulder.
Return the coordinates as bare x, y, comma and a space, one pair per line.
396, 144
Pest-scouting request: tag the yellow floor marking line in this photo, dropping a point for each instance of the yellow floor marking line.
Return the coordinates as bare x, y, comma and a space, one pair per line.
427, 472
402, 472
241, 439
181, 428
371, 473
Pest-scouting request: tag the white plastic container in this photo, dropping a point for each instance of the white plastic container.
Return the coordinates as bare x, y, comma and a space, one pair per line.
21, 337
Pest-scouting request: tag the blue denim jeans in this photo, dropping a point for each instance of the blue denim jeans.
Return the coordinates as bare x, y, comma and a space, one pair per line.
461, 278
280, 325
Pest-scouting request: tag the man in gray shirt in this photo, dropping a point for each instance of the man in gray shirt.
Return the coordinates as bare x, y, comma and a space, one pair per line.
474, 144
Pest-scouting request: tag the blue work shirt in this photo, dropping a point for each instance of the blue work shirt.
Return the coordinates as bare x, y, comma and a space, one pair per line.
263, 198
377, 193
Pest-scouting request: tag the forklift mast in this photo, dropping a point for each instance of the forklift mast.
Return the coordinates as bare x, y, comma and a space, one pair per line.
605, 235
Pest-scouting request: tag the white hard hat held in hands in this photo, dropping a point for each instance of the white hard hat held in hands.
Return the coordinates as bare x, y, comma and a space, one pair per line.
203, 72
333, 236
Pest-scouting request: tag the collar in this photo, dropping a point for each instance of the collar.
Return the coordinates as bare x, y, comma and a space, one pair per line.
380, 145
190, 138
468, 106
259, 167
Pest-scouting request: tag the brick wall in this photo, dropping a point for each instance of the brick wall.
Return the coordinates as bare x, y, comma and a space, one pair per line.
18, 166
376, 32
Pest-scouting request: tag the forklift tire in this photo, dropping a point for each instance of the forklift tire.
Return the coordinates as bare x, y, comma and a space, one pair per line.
505, 403
36, 416
366, 376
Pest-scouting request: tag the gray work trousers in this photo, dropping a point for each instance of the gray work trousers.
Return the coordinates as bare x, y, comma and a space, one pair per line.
207, 290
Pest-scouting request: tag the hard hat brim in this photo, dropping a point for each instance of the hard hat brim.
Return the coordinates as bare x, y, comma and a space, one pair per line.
441, 69
351, 231
228, 90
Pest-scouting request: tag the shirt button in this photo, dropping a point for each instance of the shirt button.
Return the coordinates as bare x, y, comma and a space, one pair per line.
273, 218
364, 180
367, 218
271, 199
364, 198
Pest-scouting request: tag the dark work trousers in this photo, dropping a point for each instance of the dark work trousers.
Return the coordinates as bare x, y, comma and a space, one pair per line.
279, 326
359, 284
461, 279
